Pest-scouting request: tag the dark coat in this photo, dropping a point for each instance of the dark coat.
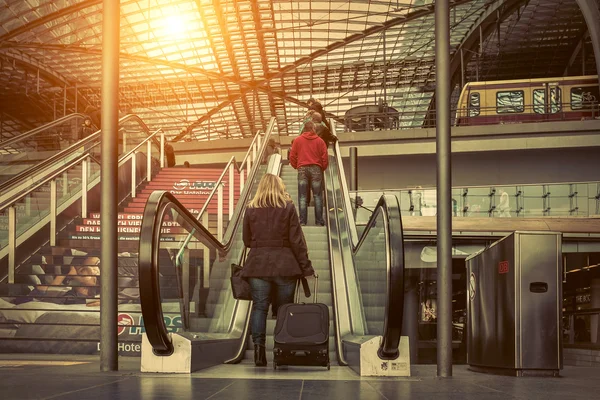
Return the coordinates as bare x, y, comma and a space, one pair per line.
276, 242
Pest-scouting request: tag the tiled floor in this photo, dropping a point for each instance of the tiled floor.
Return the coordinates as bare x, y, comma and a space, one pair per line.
54, 377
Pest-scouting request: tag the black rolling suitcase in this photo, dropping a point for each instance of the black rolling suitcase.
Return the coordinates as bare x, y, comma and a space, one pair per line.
302, 334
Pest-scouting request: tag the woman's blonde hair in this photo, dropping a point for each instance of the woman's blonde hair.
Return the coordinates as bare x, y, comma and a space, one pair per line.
270, 193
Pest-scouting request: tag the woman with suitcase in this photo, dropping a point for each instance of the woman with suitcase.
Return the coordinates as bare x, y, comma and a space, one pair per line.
278, 255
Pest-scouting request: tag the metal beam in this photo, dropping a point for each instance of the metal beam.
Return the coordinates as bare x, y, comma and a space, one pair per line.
485, 26
258, 85
591, 14
109, 191
576, 52
263, 52
49, 18
444, 190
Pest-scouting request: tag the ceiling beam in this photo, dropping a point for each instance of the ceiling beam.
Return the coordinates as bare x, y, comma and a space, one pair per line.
485, 25
591, 14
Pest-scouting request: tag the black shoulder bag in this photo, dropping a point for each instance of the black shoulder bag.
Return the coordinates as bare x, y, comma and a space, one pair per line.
240, 286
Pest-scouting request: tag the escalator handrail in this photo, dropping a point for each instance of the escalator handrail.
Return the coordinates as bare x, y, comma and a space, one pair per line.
390, 208
150, 233
62, 154
42, 128
156, 330
64, 168
239, 168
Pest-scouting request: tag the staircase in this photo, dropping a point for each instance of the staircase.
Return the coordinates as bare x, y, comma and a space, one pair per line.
191, 186
318, 252
80, 240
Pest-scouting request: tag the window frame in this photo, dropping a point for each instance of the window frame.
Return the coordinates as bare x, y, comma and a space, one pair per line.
473, 111
521, 107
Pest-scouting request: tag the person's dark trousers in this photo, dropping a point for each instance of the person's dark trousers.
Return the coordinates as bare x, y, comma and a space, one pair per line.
310, 178
261, 289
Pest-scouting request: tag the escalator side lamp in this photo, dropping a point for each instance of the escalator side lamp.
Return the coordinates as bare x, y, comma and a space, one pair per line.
503, 267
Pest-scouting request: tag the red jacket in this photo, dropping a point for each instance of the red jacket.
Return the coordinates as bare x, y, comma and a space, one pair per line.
309, 149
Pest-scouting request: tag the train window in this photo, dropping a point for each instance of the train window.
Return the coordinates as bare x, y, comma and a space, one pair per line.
584, 97
539, 101
474, 104
512, 101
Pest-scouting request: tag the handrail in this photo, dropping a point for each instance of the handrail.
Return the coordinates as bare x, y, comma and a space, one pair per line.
394, 305
148, 260
150, 244
61, 170
73, 148
42, 128
392, 220
232, 162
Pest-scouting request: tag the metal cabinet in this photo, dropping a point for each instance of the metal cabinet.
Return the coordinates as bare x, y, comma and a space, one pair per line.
514, 305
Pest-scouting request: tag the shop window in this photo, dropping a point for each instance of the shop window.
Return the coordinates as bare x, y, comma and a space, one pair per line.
510, 102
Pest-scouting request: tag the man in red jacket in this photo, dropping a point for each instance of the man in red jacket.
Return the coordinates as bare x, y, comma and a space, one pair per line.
309, 157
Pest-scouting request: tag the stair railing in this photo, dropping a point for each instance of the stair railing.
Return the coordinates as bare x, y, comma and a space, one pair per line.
243, 170
8, 146
157, 208
60, 184
32, 175
351, 322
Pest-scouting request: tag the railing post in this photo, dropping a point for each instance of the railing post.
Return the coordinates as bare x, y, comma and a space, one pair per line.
231, 191
124, 142
206, 257
242, 174
53, 212
65, 184
185, 289
12, 242
84, 185
220, 212
148, 161
133, 175
162, 149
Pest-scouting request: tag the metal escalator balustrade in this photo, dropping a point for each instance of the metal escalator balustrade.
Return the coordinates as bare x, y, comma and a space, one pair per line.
25, 150
38, 197
197, 276
132, 132
367, 271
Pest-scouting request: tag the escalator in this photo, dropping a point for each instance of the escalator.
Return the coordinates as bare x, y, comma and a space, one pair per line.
361, 282
43, 183
24, 151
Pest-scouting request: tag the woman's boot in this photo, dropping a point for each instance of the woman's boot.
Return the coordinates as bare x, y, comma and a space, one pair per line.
260, 355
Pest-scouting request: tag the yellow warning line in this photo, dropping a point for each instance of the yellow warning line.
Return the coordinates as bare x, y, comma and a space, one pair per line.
17, 363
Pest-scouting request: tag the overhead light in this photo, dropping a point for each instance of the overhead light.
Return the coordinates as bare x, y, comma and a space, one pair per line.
353, 98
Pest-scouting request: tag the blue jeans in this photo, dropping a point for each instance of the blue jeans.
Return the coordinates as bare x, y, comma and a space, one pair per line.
310, 177
261, 288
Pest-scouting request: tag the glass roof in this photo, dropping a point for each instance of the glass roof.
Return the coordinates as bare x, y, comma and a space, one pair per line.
222, 68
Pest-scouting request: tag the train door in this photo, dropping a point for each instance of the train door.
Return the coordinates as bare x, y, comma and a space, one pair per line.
547, 101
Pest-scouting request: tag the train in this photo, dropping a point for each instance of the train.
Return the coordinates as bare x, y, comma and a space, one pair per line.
529, 100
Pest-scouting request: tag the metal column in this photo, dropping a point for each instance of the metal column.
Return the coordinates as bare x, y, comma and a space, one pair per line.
109, 200
353, 186
444, 198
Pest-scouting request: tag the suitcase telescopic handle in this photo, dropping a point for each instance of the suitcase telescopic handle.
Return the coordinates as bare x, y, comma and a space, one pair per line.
304, 283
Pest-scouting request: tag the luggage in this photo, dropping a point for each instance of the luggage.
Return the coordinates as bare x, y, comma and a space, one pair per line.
302, 334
